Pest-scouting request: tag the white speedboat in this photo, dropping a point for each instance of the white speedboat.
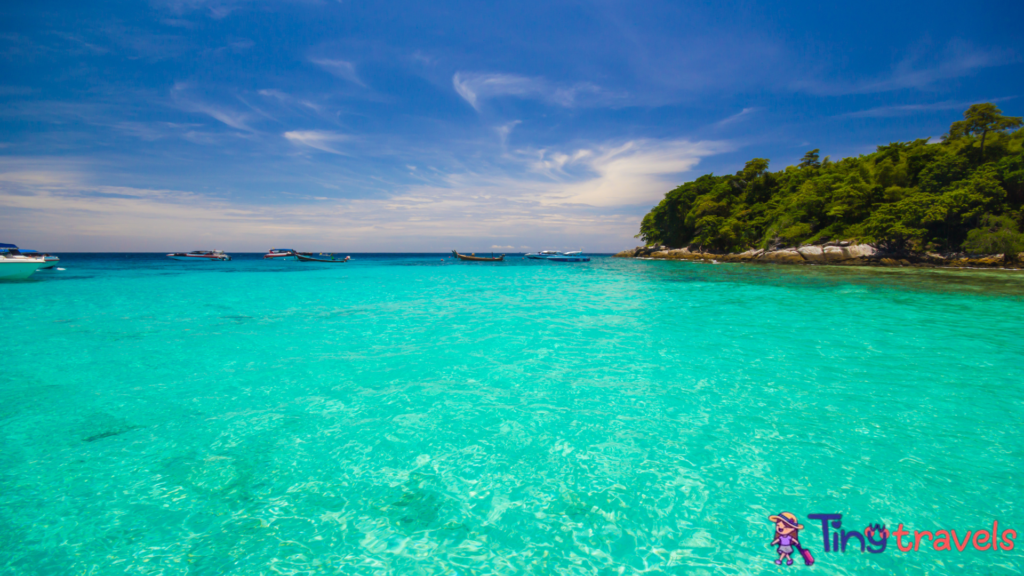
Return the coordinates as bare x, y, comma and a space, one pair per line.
16, 266
554, 256
280, 254
542, 255
576, 256
200, 255
51, 260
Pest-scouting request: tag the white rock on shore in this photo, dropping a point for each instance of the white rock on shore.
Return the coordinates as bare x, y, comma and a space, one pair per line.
841, 253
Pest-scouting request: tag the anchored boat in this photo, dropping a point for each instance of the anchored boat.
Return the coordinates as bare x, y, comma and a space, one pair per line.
554, 256
50, 259
280, 254
200, 255
542, 255
329, 258
16, 266
474, 258
570, 257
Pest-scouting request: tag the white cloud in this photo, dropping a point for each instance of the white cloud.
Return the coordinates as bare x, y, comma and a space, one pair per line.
635, 173
275, 94
340, 68
742, 114
594, 201
322, 140
474, 88
505, 129
236, 120
288, 100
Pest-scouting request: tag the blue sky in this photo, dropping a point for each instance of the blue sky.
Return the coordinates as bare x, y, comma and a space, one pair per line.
427, 126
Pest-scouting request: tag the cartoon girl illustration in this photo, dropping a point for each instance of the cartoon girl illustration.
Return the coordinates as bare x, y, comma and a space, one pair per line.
786, 529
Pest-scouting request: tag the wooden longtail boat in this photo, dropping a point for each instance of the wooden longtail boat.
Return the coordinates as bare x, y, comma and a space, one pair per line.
329, 258
475, 258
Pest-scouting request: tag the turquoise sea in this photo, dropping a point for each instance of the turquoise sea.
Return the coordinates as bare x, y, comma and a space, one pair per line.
405, 414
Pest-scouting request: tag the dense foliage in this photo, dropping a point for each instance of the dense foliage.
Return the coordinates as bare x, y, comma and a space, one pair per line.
966, 192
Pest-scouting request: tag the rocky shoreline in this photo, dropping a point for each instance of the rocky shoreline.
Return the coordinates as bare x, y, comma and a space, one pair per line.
832, 253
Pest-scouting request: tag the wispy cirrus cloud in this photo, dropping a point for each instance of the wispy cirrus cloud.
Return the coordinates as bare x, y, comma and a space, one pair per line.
322, 140
340, 68
288, 99
741, 115
474, 88
216, 9
908, 109
224, 115
505, 129
959, 59
231, 118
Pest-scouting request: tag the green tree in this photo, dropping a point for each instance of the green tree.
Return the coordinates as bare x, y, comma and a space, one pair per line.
963, 203
753, 169
892, 151
810, 160
997, 235
897, 226
979, 120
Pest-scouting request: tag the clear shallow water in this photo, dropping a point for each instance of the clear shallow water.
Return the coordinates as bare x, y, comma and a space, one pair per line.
397, 415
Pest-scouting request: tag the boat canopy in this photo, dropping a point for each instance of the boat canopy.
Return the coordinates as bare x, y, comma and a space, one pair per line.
2, 245
282, 250
28, 251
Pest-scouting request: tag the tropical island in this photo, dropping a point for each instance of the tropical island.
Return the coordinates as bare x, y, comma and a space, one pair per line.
957, 202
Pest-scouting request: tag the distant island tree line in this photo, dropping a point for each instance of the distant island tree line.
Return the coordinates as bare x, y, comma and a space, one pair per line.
963, 193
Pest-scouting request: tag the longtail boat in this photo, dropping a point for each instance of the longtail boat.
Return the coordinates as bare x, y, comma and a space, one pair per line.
329, 258
475, 258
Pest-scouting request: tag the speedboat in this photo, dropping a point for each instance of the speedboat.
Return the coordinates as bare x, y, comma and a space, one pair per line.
16, 266
542, 255
200, 255
51, 260
554, 256
576, 256
280, 254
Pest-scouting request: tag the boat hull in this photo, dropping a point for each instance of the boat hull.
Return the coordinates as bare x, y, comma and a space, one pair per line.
559, 257
11, 269
51, 261
465, 258
194, 258
304, 258
291, 257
